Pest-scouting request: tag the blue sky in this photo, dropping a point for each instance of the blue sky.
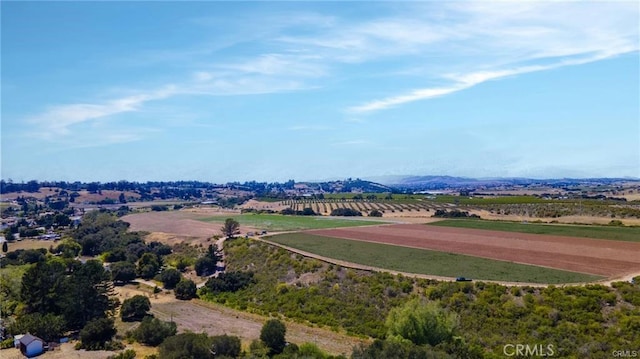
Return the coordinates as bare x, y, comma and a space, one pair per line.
270, 91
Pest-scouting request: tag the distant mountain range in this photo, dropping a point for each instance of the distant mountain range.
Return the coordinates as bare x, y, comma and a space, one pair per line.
450, 182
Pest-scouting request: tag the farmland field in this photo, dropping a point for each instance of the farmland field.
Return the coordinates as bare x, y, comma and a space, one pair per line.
631, 234
598, 257
421, 261
276, 222
405, 204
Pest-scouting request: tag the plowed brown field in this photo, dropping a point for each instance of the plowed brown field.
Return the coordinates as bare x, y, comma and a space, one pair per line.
593, 256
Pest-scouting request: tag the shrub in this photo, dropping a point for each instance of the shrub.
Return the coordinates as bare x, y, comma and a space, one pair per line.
375, 213
185, 290
205, 266
7, 343
153, 331
421, 323
186, 345
226, 345
443, 213
308, 212
310, 350
229, 282
346, 212
97, 334
123, 272
273, 336
148, 266
170, 277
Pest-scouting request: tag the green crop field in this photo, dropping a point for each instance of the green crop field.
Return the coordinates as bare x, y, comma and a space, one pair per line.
630, 234
277, 222
422, 261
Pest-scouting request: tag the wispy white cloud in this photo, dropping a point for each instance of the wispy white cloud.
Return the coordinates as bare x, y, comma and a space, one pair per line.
57, 120
464, 81
495, 41
280, 64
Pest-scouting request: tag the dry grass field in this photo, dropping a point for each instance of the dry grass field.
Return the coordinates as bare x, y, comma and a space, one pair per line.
198, 316
31, 244
181, 224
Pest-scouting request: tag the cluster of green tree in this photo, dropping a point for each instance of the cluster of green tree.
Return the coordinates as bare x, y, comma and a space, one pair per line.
57, 219
49, 295
129, 256
186, 190
579, 321
8, 186
23, 256
454, 213
307, 211
346, 212
58, 295
375, 213
101, 232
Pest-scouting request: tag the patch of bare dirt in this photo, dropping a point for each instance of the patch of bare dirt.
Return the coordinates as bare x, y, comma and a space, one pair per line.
182, 224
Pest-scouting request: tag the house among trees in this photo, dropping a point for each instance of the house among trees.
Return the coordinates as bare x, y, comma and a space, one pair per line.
29, 345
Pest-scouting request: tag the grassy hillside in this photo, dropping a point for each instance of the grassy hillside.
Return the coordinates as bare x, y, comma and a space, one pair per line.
580, 322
